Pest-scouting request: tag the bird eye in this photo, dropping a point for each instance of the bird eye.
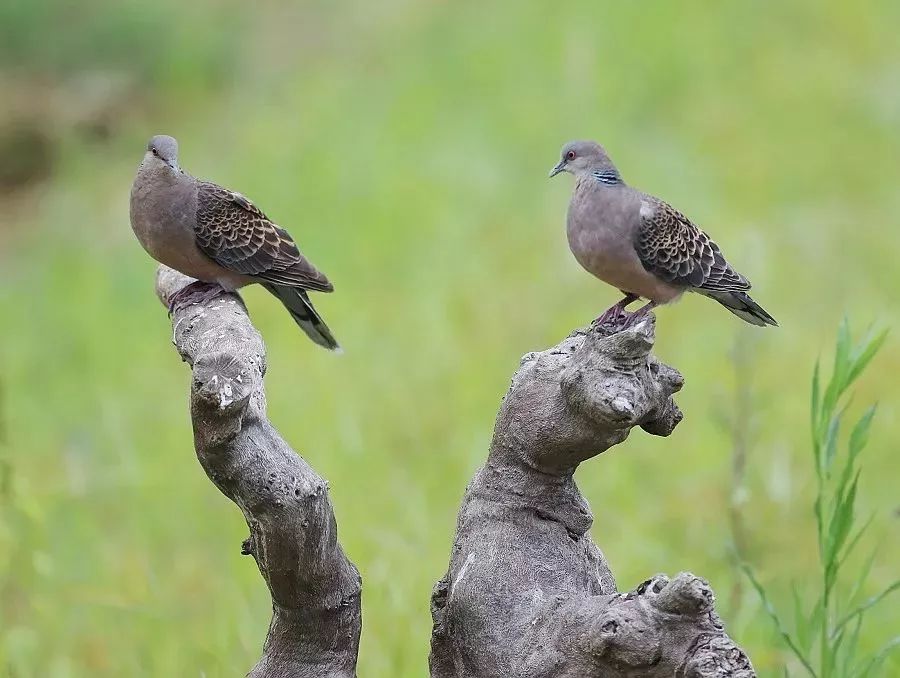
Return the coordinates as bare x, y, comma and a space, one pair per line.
154, 151
570, 155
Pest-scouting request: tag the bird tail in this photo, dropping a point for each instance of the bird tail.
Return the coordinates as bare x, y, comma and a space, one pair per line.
297, 302
743, 307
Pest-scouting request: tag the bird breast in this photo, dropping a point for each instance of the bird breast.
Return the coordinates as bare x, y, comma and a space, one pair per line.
163, 214
602, 224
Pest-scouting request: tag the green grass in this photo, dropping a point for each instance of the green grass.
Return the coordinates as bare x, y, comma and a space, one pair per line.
825, 638
406, 146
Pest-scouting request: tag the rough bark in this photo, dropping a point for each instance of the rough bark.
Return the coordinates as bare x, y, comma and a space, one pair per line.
315, 589
527, 593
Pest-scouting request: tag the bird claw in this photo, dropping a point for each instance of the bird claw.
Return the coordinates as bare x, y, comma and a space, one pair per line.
618, 319
611, 315
613, 318
616, 313
632, 320
636, 318
197, 292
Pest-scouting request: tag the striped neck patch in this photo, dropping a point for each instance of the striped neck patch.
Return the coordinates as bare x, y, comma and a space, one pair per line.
610, 177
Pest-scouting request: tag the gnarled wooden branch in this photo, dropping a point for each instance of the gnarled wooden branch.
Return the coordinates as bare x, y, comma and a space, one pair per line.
315, 589
527, 592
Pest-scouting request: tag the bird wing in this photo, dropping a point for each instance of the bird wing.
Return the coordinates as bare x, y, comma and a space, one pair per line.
235, 233
673, 248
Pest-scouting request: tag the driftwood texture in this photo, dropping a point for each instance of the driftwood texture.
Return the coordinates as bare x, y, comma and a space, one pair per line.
527, 593
315, 589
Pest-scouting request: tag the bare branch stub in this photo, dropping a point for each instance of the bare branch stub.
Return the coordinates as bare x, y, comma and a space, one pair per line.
315, 589
527, 593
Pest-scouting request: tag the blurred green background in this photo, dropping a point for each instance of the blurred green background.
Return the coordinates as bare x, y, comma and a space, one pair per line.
406, 146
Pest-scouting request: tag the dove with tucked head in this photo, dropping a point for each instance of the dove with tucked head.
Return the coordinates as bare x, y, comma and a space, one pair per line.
219, 236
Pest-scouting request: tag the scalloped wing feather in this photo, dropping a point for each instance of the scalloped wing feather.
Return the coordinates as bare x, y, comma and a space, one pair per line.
673, 248
237, 235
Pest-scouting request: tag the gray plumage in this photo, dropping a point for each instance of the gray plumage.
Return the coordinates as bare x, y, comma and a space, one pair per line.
642, 245
219, 236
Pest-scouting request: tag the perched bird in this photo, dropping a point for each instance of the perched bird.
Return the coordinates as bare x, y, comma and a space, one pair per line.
642, 245
219, 236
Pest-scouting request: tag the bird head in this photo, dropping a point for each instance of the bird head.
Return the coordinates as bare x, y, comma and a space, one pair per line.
580, 157
162, 151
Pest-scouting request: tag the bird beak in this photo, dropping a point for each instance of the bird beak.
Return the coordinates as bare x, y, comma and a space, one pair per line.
560, 167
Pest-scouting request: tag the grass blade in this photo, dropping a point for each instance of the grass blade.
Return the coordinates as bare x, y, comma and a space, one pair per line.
836, 385
876, 661
834, 648
814, 417
859, 436
858, 439
860, 610
851, 545
851, 647
804, 624
773, 615
832, 653
831, 441
864, 354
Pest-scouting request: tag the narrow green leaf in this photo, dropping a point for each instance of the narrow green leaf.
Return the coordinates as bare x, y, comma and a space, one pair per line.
840, 369
875, 662
859, 436
842, 523
848, 515
863, 575
817, 618
831, 441
863, 355
867, 605
820, 525
801, 621
832, 652
854, 541
814, 410
842, 345
773, 615
851, 647
842, 516
832, 518
830, 577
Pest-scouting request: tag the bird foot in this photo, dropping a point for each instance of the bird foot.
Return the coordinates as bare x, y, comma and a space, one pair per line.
611, 316
632, 320
637, 317
617, 318
616, 313
616, 323
197, 292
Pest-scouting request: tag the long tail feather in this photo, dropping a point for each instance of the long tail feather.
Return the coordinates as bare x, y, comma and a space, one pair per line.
297, 302
743, 306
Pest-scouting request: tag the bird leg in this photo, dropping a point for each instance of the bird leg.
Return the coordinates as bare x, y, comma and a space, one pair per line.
613, 312
198, 292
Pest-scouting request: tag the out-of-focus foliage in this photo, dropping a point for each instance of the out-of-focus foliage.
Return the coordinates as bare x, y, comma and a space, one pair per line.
160, 42
406, 146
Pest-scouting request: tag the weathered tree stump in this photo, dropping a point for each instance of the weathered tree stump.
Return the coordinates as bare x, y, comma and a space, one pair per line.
315, 589
527, 593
